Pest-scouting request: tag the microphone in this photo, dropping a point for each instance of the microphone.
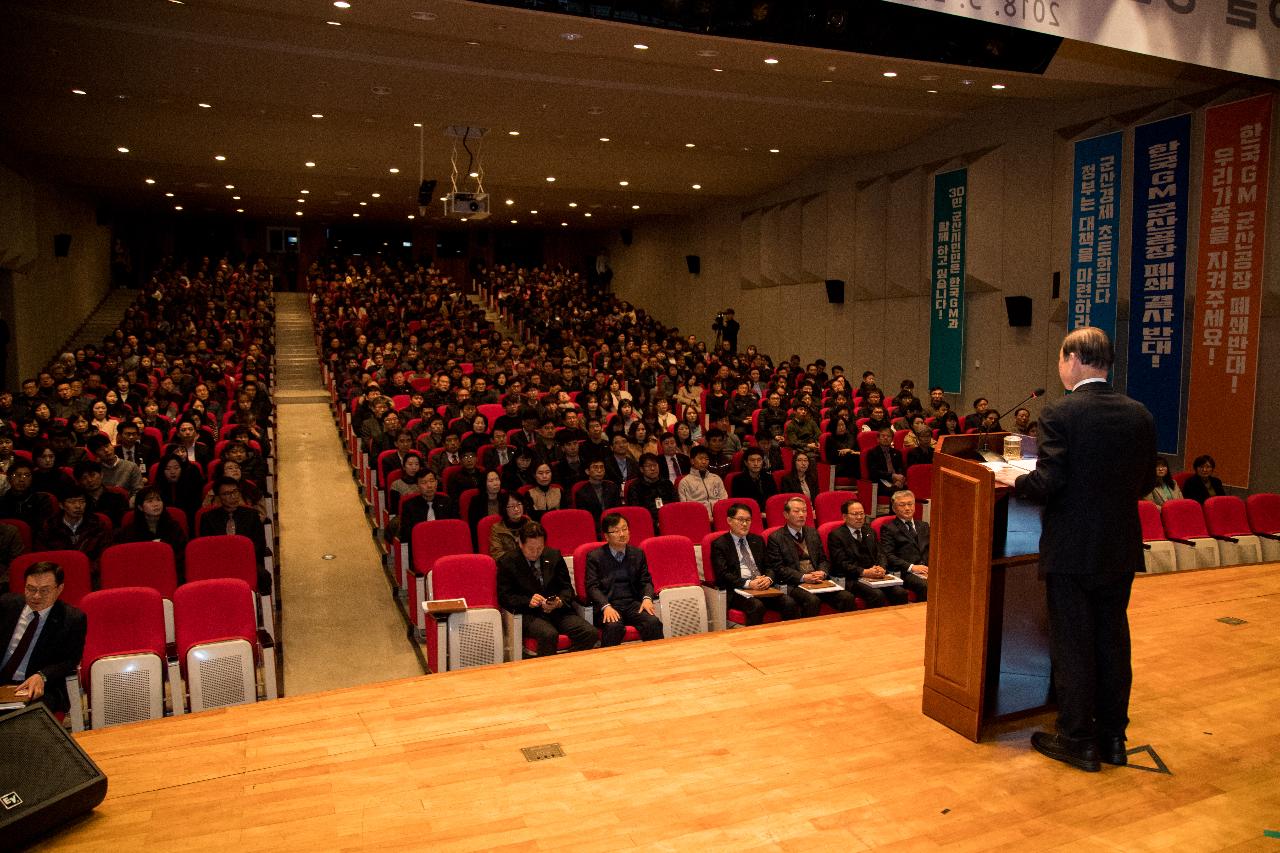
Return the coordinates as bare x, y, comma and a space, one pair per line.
1039, 392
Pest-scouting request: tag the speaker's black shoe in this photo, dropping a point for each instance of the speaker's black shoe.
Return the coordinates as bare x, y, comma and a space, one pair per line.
1083, 755
1112, 751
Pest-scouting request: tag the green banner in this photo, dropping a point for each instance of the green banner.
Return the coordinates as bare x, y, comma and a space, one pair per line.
946, 326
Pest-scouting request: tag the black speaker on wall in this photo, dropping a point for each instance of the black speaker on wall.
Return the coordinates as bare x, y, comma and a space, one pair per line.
61, 245
626, 236
694, 262
46, 779
835, 291
1019, 310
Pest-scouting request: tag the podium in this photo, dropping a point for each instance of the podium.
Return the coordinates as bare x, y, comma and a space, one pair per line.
987, 630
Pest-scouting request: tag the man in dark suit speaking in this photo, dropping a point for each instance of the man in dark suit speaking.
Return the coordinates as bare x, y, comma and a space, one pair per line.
42, 637
1096, 459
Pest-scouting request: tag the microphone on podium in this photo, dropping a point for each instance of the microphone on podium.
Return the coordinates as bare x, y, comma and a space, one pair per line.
1039, 392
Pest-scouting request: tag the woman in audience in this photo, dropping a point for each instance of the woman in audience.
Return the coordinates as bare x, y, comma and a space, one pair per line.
504, 536
717, 399
544, 495
663, 418
950, 425
692, 419
1166, 487
478, 435
690, 393
1203, 485
47, 476
30, 434
684, 438
181, 485
409, 483
488, 502
639, 441
150, 523
519, 471
803, 477
842, 450
101, 422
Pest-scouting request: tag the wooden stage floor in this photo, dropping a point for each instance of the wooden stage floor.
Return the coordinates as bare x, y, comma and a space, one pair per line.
805, 736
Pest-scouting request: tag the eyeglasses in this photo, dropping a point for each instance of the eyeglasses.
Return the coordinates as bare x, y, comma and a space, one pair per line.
741, 519
41, 591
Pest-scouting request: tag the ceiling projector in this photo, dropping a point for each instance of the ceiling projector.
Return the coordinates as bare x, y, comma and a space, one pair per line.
470, 205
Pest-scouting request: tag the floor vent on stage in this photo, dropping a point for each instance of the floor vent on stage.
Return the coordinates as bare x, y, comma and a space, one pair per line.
542, 753
1232, 620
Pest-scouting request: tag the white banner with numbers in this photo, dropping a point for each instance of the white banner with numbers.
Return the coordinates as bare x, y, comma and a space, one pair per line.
1235, 35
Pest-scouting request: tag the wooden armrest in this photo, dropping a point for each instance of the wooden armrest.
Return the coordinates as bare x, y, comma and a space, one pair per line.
444, 607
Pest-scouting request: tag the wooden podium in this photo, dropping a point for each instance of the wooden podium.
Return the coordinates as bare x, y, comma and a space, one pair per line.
986, 632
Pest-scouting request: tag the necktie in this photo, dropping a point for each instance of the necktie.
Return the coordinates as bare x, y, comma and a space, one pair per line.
231, 524
28, 637
888, 461
911, 528
537, 573
747, 559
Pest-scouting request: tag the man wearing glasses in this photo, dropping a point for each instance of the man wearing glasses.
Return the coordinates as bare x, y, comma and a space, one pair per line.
43, 638
738, 560
231, 517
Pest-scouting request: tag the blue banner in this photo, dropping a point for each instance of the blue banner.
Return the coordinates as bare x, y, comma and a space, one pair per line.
1158, 271
1095, 215
946, 325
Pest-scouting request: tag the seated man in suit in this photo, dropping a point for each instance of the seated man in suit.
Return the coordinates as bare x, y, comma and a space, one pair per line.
701, 485
855, 556
904, 545
619, 586
499, 454
534, 583
753, 481
598, 494
672, 464
75, 528
738, 559
572, 467
431, 505
794, 556
884, 462
188, 445
41, 638
650, 491
232, 518
618, 465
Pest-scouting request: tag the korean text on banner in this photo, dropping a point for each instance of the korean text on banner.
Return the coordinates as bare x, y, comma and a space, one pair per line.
1095, 230
1158, 271
1229, 264
946, 327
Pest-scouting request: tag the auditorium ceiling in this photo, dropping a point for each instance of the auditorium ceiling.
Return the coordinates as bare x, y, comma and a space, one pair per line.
273, 86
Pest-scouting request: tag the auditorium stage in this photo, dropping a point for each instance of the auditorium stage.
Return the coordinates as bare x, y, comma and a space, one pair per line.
803, 736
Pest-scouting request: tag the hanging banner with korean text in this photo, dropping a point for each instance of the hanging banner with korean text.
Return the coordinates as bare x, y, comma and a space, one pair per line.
946, 326
1229, 264
1095, 230
1158, 271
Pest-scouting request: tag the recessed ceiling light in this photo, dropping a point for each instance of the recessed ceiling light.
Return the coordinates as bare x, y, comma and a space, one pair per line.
333, 23
824, 81
122, 149
364, 204
771, 61
202, 105
417, 124
551, 179
775, 150
375, 195
635, 207
931, 91
997, 85
967, 82
511, 201
571, 36
297, 213
513, 133
302, 201
473, 174
640, 46
168, 195
79, 92
149, 180
513, 222
717, 69
239, 210
355, 215
533, 212
235, 198
690, 145
697, 186
563, 224
178, 2
444, 198
623, 183
393, 170
231, 186
177, 207
342, 4
573, 204
310, 164
411, 216
472, 44
588, 215
317, 115
890, 74
604, 139
219, 157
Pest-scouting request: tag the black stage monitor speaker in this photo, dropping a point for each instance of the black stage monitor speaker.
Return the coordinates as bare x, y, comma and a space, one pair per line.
694, 262
1019, 310
835, 291
61, 245
46, 779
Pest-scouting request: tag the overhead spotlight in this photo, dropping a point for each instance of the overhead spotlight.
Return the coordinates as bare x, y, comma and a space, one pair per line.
305, 192
317, 115
513, 133
623, 183
122, 149
573, 204
79, 92
511, 201
640, 46
375, 195
220, 157
411, 216
168, 195
890, 74
635, 207
771, 61
177, 207
239, 210
204, 106
697, 186
393, 170
297, 213
604, 139
310, 164
342, 4
231, 186
550, 179
149, 180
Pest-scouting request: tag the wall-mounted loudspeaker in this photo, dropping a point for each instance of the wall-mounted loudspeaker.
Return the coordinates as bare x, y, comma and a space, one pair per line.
61, 245
1019, 310
835, 291
626, 236
695, 264
46, 779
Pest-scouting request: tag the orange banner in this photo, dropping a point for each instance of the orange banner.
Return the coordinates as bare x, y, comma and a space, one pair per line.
1231, 255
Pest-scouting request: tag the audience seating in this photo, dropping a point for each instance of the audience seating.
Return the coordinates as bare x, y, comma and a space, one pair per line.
639, 521
920, 482
1264, 521
24, 531
432, 540
1228, 522
220, 646
1158, 553
775, 504
149, 564
75, 572
826, 505
682, 604
567, 529
1184, 525
720, 514
472, 637
229, 557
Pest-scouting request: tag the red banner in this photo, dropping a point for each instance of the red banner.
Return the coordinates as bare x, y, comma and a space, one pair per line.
1224, 338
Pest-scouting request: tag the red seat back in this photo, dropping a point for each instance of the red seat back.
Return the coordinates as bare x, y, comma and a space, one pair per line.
1264, 512
708, 569
638, 519
920, 482
580, 568
827, 505
128, 620
443, 537
1225, 516
773, 507
1184, 519
1152, 524
720, 514
569, 528
211, 610
470, 576
671, 561
149, 564
878, 524
824, 531
24, 531
222, 557
483, 527
76, 577
684, 518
